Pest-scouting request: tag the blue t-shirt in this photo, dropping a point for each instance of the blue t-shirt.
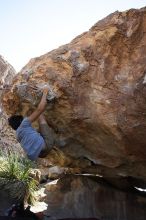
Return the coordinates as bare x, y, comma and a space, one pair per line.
31, 141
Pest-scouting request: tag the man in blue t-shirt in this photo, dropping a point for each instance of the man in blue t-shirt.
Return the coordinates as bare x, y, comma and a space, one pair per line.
34, 144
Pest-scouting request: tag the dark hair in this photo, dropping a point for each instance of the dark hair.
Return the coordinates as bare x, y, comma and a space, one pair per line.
15, 121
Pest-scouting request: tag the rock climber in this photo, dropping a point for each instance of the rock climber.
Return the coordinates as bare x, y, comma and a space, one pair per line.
34, 144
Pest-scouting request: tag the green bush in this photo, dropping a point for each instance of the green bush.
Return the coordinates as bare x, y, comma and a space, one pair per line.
15, 177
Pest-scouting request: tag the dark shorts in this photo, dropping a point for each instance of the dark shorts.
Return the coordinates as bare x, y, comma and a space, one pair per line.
49, 137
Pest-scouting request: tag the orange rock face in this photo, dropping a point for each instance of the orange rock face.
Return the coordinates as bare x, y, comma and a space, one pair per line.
97, 91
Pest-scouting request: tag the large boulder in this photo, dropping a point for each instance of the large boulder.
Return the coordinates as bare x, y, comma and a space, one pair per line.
97, 97
83, 197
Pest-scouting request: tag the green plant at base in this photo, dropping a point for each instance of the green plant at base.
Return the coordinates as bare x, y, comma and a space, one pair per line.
15, 177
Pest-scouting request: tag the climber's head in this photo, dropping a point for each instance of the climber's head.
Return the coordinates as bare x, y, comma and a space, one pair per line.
15, 121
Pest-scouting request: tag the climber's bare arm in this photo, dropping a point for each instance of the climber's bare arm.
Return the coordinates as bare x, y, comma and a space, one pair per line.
41, 107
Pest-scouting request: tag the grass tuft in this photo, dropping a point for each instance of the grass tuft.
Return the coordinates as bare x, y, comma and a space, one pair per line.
15, 177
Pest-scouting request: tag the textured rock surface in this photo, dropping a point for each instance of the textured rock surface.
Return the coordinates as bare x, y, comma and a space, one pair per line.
81, 197
7, 138
7, 73
97, 95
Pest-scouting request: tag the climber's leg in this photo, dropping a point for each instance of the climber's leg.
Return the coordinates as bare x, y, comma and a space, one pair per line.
48, 134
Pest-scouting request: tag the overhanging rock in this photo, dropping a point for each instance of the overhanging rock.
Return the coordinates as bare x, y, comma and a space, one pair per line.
97, 98
81, 197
